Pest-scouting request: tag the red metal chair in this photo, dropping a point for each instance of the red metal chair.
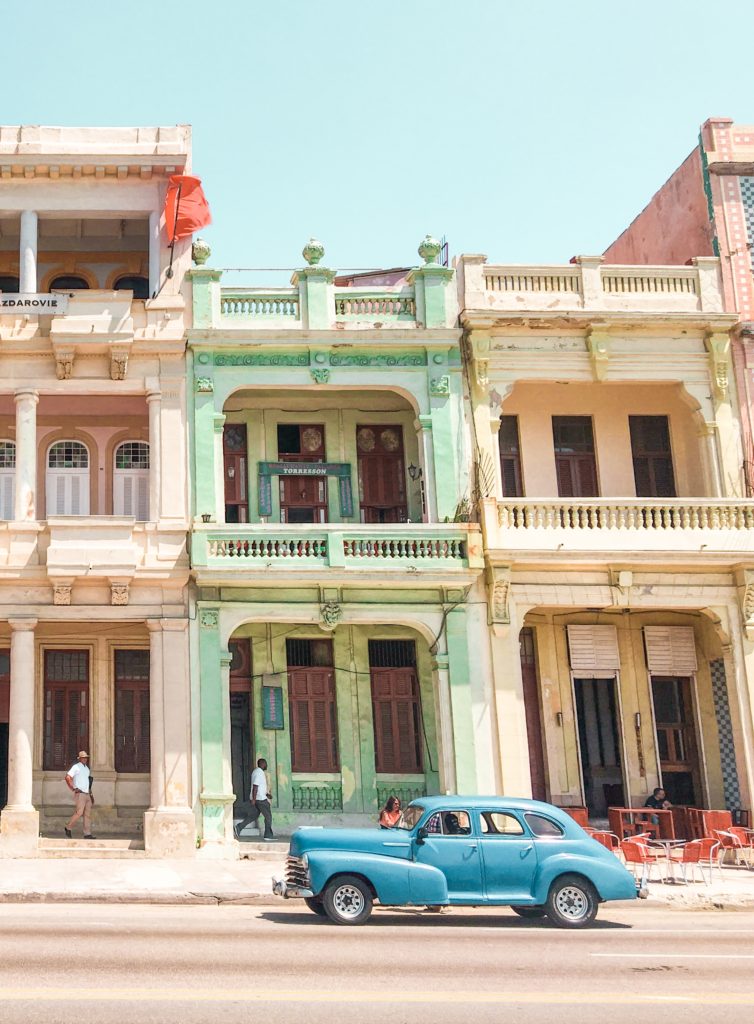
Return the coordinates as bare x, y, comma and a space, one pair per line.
729, 840
607, 839
695, 854
638, 855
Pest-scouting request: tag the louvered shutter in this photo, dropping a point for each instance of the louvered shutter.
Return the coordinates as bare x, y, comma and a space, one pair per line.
66, 725
131, 493
7, 493
67, 492
671, 650
593, 651
313, 720
396, 716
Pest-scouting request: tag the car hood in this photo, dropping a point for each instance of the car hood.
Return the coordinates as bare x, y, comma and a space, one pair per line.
389, 842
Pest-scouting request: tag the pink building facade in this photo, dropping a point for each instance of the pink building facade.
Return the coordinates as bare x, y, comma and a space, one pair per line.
706, 208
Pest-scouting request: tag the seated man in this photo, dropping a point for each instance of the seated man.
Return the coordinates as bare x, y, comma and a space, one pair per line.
453, 826
658, 800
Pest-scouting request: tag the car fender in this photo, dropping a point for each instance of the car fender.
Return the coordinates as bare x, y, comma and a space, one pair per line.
395, 881
611, 880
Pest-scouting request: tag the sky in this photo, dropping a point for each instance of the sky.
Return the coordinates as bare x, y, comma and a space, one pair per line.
531, 130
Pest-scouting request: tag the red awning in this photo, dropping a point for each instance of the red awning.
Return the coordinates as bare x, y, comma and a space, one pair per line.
186, 207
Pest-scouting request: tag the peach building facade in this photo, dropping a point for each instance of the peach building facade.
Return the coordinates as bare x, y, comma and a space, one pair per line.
93, 486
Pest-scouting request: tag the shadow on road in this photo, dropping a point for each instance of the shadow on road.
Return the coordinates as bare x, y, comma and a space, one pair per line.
421, 919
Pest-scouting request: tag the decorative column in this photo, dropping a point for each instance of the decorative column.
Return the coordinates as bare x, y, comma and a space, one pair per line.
154, 253
216, 794
154, 405
451, 477
19, 822
205, 445
26, 455
423, 425
315, 289
708, 433
169, 824
28, 252
459, 669
435, 296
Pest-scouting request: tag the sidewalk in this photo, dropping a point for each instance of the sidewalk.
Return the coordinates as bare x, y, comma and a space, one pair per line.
250, 881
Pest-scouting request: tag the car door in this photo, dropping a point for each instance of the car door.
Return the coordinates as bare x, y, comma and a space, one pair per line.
509, 855
453, 848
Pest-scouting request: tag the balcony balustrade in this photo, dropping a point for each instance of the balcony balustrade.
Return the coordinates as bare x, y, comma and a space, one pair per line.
636, 526
402, 548
589, 285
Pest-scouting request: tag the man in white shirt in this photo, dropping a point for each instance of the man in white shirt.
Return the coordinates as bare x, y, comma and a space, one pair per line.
260, 799
79, 781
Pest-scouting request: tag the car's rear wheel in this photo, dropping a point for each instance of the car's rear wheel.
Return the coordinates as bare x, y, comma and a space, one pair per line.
572, 902
348, 900
529, 912
315, 903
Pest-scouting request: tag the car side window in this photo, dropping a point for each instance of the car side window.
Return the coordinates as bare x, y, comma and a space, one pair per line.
449, 823
543, 827
497, 823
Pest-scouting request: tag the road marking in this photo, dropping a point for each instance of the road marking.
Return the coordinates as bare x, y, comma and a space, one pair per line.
183, 994
682, 956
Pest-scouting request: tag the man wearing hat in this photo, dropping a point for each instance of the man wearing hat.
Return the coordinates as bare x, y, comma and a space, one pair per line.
79, 781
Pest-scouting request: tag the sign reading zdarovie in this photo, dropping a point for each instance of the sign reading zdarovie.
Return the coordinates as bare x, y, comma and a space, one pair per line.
34, 303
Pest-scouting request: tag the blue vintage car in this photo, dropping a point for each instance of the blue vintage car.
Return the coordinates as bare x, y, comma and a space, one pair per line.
458, 851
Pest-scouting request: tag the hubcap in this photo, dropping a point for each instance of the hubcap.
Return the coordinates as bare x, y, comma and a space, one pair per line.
348, 901
572, 903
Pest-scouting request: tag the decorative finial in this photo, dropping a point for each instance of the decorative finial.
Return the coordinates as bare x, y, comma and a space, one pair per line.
200, 252
429, 249
313, 252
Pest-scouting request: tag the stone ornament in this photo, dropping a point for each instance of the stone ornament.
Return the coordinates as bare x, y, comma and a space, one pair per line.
429, 249
313, 252
63, 365
204, 385
330, 615
200, 252
209, 618
118, 593
747, 604
118, 365
498, 593
439, 387
61, 593
320, 376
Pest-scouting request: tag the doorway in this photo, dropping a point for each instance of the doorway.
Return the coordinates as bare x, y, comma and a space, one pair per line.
530, 682
599, 744
241, 731
4, 716
677, 748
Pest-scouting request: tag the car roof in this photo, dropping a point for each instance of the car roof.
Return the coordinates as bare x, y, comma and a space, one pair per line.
487, 803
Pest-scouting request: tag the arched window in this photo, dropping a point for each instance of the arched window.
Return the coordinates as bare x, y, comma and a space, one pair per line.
68, 283
9, 283
7, 478
68, 479
135, 283
131, 480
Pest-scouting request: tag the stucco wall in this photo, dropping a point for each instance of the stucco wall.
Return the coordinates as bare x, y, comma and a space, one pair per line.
609, 406
673, 226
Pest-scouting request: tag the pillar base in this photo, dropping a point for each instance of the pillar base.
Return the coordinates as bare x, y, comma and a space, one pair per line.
214, 850
19, 832
170, 832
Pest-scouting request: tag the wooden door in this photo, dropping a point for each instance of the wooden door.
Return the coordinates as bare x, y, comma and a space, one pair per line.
303, 499
382, 474
66, 707
396, 707
510, 457
235, 463
132, 712
652, 458
599, 743
241, 729
533, 714
4, 715
677, 747
312, 708
575, 463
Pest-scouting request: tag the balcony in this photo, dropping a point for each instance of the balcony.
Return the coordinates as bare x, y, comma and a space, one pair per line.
360, 552
589, 285
639, 529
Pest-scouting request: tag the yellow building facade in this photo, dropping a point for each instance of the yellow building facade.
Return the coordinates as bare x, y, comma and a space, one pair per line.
618, 547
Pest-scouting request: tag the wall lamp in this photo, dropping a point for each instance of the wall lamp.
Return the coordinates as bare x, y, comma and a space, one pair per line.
415, 472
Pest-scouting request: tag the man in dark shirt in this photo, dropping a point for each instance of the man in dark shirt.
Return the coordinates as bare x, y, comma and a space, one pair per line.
658, 801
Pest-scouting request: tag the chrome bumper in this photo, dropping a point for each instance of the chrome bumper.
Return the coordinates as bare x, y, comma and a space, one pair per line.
289, 892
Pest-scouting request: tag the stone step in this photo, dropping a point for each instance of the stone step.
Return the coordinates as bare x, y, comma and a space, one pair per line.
108, 848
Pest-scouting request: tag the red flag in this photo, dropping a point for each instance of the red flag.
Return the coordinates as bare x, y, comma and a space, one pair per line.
186, 207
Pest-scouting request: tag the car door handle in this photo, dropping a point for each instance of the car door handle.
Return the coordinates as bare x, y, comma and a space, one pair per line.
526, 850
471, 846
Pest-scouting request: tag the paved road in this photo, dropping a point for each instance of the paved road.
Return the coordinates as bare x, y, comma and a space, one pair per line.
194, 965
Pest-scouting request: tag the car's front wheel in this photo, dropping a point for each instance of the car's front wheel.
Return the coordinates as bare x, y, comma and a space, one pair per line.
572, 902
315, 903
348, 900
529, 912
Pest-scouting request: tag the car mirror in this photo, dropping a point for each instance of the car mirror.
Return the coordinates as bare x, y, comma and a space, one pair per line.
421, 836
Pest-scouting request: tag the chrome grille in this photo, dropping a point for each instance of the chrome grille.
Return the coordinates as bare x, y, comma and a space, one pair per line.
296, 873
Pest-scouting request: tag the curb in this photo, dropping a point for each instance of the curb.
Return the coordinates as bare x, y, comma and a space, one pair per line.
159, 898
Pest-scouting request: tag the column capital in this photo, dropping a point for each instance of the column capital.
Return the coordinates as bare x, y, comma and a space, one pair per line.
154, 395
28, 394
22, 625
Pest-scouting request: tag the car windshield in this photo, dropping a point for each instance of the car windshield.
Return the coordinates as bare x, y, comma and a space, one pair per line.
410, 817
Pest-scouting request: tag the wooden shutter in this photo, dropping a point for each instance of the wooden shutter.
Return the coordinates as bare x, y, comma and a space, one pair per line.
132, 753
593, 651
131, 493
7, 493
66, 724
671, 650
67, 493
396, 713
311, 696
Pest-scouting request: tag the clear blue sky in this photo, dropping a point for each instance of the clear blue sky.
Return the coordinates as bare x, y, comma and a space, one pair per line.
528, 130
